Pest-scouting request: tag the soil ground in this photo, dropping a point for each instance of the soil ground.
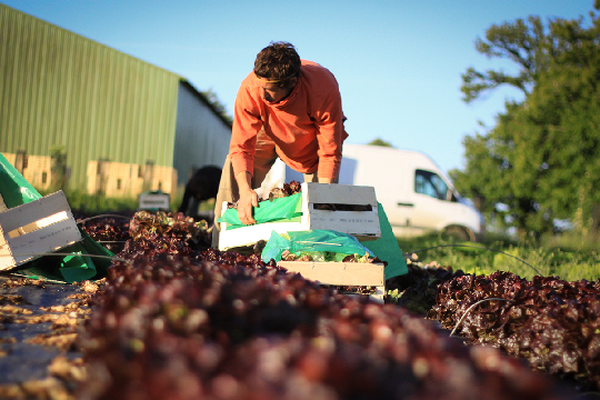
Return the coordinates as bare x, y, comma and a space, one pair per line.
31, 336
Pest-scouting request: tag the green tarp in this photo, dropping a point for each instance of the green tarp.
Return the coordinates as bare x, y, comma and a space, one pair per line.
387, 247
284, 209
86, 260
321, 245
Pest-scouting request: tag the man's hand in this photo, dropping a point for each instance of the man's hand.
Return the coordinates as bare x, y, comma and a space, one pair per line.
248, 199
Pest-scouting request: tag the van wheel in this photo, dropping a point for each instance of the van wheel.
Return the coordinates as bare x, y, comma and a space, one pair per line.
455, 234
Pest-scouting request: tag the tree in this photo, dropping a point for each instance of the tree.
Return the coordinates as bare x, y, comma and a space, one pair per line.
521, 42
566, 106
527, 43
498, 178
379, 142
540, 161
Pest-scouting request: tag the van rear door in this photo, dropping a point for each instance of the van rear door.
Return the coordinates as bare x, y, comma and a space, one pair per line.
387, 171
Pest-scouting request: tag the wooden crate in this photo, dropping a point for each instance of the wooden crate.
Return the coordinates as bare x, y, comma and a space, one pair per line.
362, 224
341, 274
36, 228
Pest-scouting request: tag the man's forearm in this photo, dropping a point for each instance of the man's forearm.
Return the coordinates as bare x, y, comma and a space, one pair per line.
244, 180
248, 197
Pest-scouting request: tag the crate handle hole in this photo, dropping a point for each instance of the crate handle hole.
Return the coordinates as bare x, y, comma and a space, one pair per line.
342, 207
39, 224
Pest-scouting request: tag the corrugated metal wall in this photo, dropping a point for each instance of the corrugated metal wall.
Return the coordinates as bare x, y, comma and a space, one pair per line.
202, 137
58, 88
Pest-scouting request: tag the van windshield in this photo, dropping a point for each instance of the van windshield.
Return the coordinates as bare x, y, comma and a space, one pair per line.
431, 184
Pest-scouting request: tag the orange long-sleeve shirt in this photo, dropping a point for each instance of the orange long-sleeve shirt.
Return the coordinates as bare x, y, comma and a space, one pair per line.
306, 127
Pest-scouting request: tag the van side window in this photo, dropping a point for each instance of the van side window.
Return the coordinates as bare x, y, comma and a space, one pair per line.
430, 184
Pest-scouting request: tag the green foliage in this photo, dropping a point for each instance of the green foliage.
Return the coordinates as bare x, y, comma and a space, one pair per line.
96, 204
530, 45
540, 161
379, 142
560, 256
58, 154
523, 42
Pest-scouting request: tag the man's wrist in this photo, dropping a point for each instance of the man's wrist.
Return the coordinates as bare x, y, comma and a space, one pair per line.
244, 181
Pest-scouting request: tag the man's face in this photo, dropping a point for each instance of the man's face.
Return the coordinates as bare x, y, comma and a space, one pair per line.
272, 93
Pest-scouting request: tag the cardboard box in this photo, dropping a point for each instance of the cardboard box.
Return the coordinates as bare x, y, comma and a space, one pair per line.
33, 229
341, 274
315, 198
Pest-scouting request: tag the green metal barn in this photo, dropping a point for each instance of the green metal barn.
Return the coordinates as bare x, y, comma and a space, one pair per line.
115, 124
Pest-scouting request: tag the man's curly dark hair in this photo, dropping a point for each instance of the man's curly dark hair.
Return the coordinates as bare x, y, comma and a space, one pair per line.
279, 62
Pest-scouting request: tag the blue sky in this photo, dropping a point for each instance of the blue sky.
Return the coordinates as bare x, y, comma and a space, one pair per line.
398, 62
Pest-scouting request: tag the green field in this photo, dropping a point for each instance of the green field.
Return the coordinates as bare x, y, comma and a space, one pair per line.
568, 257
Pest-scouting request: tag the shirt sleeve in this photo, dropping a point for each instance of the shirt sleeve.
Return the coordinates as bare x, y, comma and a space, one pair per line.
329, 121
246, 125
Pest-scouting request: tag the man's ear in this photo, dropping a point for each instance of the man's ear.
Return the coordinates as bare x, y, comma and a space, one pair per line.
293, 82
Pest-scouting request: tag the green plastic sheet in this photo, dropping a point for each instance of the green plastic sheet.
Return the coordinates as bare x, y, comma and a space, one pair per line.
325, 243
15, 189
277, 210
387, 247
85, 260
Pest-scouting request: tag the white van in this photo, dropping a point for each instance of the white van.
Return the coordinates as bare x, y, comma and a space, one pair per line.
416, 196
